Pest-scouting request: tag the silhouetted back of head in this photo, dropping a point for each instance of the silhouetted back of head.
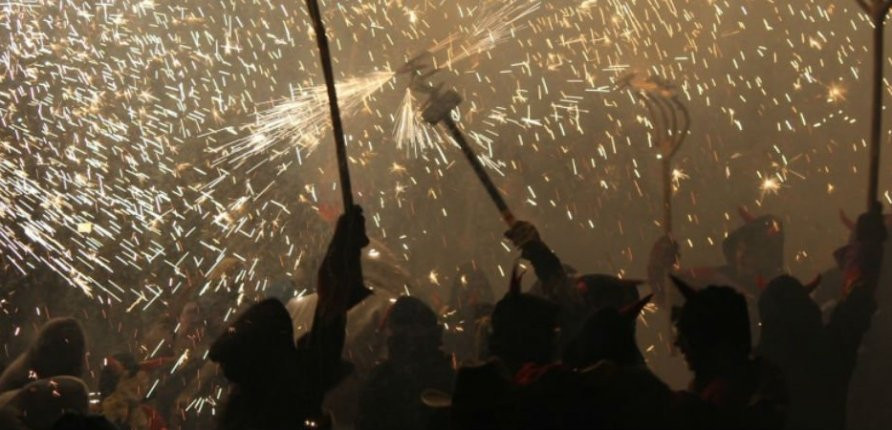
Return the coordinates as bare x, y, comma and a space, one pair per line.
788, 312
412, 328
471, 287
602, 291
757, 246
608, 334
713, 325
59, 349
524, 329
256, 343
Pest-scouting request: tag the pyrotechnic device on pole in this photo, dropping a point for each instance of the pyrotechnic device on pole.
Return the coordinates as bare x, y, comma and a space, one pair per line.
877, 10
672, 124
337, 126
438, 109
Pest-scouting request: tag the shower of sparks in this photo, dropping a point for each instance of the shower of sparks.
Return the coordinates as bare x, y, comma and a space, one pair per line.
413, 134
836, 93
301, 120
492, 27
678, 175
141, 157
770, 185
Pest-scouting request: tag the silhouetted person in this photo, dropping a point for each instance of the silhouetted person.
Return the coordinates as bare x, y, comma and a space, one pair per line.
58, 350
871, 384
714, 336
576, 295
754, 253
275, 384
391, 399
817, 359
38, 405
617, 388
522, 346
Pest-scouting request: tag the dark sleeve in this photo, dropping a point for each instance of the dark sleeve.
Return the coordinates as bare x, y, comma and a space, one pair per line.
548, 267
849, 322
320, 356
372, 413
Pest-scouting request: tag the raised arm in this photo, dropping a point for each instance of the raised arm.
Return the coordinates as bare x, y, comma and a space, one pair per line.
340, 287
546, 264
663, 261
861, 262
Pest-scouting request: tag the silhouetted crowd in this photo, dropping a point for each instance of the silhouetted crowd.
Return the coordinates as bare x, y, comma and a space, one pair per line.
562, 355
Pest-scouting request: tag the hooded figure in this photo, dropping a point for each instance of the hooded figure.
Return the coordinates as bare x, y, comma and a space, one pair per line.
258, 357
391, 399
58, 350
714, 337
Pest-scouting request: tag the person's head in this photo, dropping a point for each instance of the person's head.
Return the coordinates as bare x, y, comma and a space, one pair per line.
524, 328
41, 403
757, 247
605, 291
713, 328
471, 287
787, 310
608, 334
119, 365
251, 349
59, 349
412, 329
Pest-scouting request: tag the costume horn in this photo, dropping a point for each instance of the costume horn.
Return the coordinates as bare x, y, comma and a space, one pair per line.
686, 290
846, 221
745, 213
632, 310
813, 285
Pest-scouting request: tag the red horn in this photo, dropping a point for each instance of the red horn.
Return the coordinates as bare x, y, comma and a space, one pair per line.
813, 285
745, 213
686, 290
632, 310
761, 283
846, 221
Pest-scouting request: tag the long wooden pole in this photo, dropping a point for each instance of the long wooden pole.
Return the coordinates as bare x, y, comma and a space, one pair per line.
876, 123
337, 126
479, 170
667, 195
